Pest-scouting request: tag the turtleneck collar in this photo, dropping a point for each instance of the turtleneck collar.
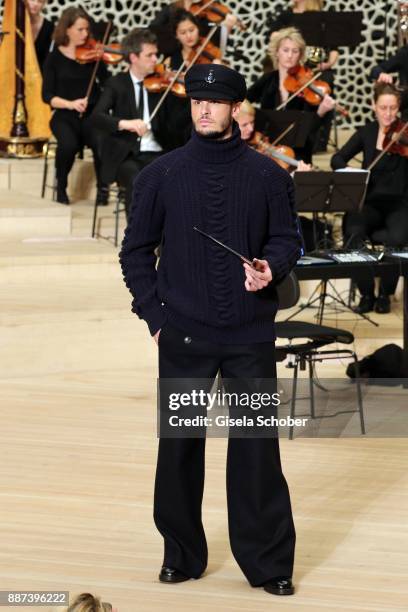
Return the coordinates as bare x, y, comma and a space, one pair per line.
216, 151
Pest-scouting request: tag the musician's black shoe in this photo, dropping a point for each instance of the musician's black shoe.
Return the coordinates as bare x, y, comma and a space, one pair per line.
366, 304
62, 197
172, 575
383, 304
281, 585
102, 196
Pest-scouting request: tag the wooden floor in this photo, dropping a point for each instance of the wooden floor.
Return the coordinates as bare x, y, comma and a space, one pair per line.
79, 443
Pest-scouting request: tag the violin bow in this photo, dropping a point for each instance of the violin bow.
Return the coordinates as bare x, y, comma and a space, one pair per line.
283, 134
393, 140
298, 91
173, 80
98, 61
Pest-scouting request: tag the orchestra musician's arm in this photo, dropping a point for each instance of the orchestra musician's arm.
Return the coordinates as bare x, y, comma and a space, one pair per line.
331, 61
353, 147
395, 63
104, 116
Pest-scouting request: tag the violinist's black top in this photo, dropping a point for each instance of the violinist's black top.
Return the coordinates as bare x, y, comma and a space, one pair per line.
266, 91
388, 178
176, 60
43, 42
66, 78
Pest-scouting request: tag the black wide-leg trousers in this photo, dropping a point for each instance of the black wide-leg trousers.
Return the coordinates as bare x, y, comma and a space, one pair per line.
261, 529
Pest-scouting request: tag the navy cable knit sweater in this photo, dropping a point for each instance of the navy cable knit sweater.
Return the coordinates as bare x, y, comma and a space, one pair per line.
238, 196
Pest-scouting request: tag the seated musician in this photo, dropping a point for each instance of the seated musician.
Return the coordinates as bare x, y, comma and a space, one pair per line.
324, 59
245, 117
123, 112
42, 30
165, 15
185, 28
397, 63
384, 216
287, 50
65, 83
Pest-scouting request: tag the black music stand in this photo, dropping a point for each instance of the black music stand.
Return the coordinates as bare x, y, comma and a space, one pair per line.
330, 29
273, 123
329, 192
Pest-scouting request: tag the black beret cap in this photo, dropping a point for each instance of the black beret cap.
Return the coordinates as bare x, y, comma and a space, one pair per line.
215, 82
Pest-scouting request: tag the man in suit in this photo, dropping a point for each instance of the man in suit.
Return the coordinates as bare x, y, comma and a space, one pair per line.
124, 110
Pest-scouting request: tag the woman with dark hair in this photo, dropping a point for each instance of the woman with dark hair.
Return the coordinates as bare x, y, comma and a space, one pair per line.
41, 28
384, 215
161, 24
186, 30
64, 87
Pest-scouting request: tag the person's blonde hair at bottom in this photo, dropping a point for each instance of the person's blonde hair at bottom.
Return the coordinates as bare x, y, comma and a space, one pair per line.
86, 602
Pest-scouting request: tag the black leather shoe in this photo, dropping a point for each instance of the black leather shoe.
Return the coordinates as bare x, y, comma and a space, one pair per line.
62, 197
172, 575
383, 304
366, 304
280, 585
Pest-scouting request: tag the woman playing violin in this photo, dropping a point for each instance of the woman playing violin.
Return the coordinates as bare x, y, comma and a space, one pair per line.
287, 50
384, 216
245, 117
186, 31
165, 16
64, 88
324, 59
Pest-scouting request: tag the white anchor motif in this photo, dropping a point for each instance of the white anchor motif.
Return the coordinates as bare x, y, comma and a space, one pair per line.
210, 78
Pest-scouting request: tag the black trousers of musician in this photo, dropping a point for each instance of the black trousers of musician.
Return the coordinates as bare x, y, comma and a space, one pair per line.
383, 222
73, 133
129, 169
261, 529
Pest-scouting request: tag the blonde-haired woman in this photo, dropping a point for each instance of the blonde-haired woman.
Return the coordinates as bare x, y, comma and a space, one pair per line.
324, 59
286, 50
245, 117
86, 602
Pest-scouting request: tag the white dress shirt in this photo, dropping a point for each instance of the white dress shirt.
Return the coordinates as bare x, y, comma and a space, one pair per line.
148, 141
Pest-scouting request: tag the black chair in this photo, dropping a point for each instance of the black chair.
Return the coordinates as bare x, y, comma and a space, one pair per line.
119, 194
305, 343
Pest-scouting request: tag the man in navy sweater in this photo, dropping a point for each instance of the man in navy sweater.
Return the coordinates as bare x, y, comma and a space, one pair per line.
209, 313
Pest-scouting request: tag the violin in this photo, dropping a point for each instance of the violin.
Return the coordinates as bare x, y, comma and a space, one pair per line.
162, 78
303, 81
214, 11
93, 51
396, 138
283, 155
207, 55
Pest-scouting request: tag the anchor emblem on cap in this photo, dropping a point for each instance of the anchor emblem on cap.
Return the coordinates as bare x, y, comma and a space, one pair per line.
210, 78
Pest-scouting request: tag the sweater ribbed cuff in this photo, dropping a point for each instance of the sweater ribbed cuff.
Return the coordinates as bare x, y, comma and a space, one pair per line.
154, 316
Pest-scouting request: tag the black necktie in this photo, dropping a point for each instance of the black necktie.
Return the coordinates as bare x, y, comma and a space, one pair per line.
140, 107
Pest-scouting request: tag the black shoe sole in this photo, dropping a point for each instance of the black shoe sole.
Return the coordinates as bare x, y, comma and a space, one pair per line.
273, 591
170, 580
